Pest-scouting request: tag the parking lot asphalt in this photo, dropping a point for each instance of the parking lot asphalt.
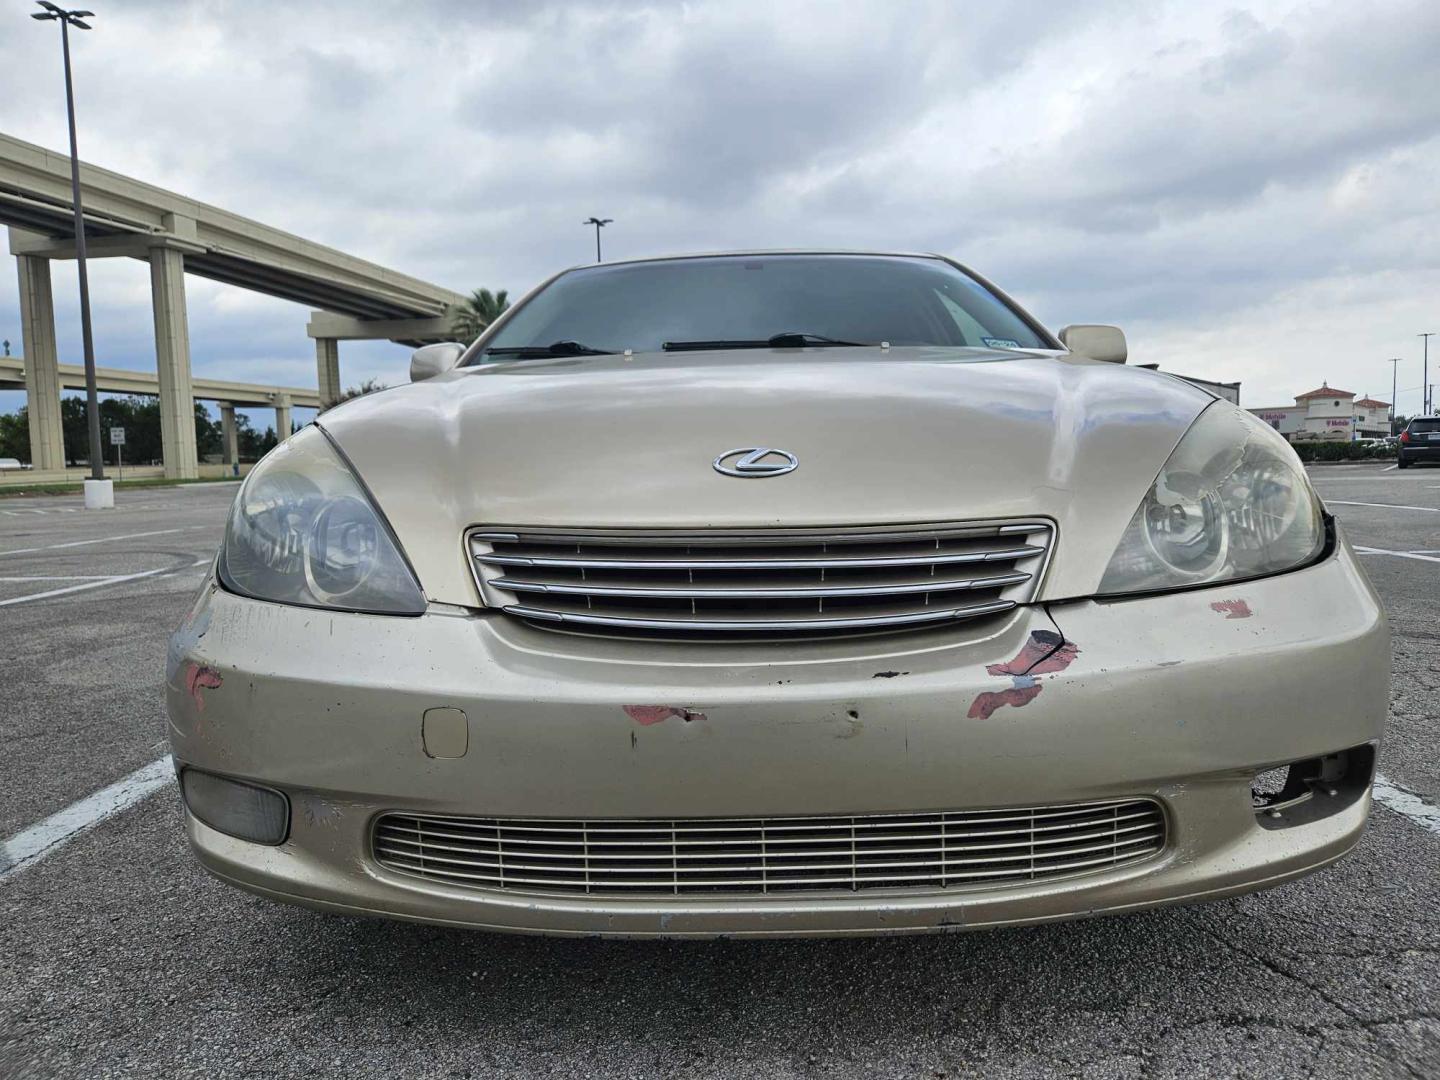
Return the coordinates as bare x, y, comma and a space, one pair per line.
119, 957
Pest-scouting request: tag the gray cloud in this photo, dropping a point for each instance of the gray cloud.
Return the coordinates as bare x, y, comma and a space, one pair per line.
1208, 176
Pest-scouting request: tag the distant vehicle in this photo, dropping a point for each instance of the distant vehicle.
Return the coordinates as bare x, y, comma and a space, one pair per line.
9, 463
1420, 441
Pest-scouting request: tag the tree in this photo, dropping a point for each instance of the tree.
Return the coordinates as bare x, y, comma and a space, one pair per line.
140, 417
15, 434
469, 318
369, 386
252, 444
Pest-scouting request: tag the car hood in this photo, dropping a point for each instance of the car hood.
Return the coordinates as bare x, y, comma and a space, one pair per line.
893, 436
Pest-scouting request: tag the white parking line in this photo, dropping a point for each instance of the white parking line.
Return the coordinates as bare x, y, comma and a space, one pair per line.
1389, 467
30, 845
1359, 550
101, 540
1383, 506
117, 579
59, 577
1390, 794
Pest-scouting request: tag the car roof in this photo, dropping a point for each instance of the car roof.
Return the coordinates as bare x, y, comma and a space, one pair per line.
753, 252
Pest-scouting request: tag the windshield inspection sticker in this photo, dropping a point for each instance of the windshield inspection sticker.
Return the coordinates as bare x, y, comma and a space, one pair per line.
1000, 343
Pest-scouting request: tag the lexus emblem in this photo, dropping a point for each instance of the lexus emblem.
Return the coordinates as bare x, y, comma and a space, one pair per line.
756, 461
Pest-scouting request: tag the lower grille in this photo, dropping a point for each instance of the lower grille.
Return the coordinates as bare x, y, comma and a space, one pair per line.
726, 585
758, 856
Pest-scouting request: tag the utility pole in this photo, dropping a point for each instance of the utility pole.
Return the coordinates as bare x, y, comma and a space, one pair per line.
1425, 391
1394, 361
599, 224
67, 19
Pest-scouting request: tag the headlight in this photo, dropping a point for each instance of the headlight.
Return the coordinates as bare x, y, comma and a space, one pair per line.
303, 531
1232, 502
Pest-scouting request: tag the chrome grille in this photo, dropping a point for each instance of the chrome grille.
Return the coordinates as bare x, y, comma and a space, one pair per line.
749, 856
724, 585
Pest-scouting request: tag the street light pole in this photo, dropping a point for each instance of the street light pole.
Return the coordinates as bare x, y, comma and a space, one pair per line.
1425, 376
66, 20
1394, 362
599, 224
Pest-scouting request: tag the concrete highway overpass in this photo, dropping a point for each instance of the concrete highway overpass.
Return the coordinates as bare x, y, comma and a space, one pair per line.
125, 218
226, 394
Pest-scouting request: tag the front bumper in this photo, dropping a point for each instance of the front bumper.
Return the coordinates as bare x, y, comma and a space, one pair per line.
1180, 697
1414, 454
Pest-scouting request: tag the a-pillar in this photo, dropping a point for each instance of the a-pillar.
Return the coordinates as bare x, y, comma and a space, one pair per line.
42, 363
282, 417
229, 434
327, 366
172, 359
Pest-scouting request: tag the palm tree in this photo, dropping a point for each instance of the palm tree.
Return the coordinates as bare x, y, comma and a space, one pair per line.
470, 317
369, 386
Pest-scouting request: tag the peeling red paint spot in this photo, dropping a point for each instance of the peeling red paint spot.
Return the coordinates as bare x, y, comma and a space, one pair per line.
1045, 652
1233, 609
984, 706
200, 677
653, 714
1059, 660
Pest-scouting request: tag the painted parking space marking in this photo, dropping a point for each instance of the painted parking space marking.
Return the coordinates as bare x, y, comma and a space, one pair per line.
44, 838
1389, 467
101, 540
116, 580
1385, 506
1406, 802
57, 577
1362, 550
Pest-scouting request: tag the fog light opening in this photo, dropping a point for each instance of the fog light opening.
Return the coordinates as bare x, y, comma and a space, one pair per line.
1312, 788
247, 812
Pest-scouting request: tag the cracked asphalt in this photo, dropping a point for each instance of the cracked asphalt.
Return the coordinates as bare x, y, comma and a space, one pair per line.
118, 957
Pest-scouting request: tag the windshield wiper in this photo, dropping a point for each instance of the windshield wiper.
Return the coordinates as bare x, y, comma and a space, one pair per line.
787, 340
555, 348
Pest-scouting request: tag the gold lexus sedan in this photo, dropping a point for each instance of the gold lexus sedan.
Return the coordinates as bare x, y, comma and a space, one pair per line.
776, 594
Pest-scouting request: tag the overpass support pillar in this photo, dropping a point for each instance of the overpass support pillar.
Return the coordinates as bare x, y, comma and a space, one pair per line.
327, 364
229, 433
282, 417
172, 356
42, 363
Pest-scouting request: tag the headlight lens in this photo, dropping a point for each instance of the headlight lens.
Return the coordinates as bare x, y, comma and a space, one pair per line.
1232, 502
303, 531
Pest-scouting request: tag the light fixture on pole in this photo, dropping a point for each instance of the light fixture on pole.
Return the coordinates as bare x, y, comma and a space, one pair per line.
67, 19
1425, 402
599, 224
1394, 361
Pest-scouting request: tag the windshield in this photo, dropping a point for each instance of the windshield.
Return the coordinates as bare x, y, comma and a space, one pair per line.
1424, 427
760, 301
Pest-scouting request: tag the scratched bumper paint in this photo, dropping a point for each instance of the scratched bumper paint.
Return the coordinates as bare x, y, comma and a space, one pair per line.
1176, 697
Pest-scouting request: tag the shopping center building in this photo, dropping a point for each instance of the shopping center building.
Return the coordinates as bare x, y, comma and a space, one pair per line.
1329, 414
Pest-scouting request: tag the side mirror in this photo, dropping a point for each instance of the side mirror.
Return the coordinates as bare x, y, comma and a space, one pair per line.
1097, 342
430, 360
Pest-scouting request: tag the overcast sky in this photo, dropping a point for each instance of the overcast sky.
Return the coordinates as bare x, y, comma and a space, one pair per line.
1251, 190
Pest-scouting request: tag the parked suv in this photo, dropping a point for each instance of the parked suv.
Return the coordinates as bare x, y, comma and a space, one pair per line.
1420, 441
